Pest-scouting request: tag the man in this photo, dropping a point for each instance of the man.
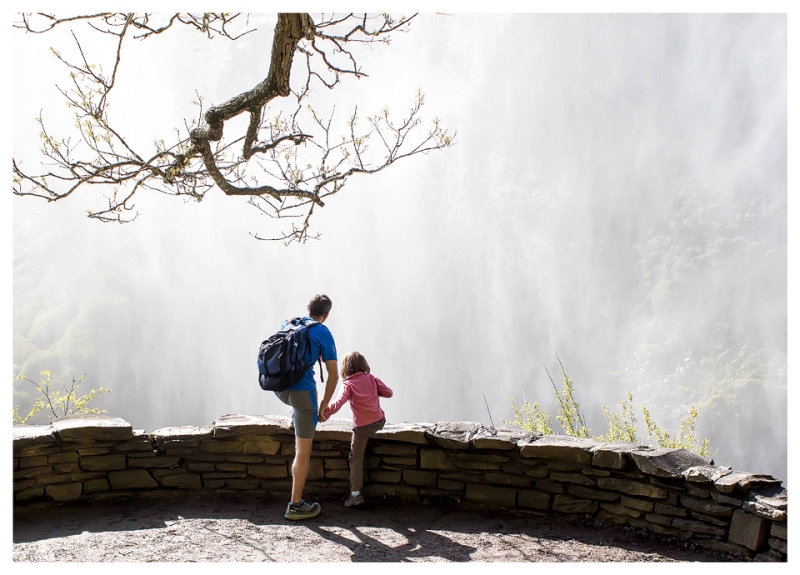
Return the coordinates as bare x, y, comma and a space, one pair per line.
302, 396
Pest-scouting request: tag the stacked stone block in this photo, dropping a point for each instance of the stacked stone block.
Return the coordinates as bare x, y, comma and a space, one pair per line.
669, 492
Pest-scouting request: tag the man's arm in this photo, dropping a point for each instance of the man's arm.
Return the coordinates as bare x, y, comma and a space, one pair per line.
330, 386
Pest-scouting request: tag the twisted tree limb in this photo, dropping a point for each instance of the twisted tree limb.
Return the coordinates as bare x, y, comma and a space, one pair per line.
285, 165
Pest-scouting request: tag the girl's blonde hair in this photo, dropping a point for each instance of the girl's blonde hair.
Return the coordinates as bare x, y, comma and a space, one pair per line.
352, 363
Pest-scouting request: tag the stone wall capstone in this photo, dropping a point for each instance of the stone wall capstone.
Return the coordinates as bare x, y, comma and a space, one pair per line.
668, 492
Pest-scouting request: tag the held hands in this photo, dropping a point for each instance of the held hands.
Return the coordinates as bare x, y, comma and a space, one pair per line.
323, 412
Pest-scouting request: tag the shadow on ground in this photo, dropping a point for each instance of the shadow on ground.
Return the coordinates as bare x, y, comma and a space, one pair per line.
241, 528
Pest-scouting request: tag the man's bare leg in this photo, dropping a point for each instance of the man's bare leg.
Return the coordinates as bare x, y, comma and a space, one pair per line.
302, 461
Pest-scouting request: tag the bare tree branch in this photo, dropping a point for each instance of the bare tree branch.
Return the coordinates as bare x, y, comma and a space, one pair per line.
285, 162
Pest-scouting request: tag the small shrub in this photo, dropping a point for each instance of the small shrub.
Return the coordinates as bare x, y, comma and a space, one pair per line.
685, 439
56, 403
621, 425
531, 418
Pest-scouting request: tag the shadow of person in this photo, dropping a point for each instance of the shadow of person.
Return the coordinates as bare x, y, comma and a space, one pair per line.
395, 543
385, 531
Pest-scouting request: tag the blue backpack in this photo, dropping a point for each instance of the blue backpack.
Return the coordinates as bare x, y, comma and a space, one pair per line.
282, 359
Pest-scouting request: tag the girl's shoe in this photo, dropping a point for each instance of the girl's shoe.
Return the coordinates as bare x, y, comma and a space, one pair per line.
352, 501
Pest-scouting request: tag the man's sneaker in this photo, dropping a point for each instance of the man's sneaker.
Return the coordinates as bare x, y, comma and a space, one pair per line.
352, 501
302, 510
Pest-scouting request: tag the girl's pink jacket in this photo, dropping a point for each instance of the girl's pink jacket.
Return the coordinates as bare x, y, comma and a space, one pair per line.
362, 391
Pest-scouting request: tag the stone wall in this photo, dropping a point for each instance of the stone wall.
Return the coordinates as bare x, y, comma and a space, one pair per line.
669, 492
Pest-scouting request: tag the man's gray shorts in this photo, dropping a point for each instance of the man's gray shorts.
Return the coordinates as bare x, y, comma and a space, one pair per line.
304, 403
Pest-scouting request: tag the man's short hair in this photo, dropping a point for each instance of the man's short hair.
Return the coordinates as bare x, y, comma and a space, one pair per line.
319, 305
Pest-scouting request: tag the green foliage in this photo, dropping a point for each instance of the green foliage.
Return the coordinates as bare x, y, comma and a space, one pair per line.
531, 418
622, 424
728, 371
569, 413
56, 403
685, 439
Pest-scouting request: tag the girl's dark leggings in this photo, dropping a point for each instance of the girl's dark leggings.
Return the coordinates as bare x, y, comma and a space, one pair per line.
358, 444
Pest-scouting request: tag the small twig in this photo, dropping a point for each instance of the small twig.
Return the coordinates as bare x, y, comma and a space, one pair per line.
555, 389
487, 409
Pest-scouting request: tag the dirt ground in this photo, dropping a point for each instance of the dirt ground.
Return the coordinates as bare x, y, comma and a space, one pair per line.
247, 529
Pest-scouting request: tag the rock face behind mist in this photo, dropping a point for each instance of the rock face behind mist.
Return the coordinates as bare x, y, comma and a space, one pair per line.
669, 492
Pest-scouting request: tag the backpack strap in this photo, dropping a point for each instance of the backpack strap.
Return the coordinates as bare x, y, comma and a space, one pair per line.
308, 324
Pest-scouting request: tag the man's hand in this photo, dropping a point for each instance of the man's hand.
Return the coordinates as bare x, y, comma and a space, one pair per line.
330, 386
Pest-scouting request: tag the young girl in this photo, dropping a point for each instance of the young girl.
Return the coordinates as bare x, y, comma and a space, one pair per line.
362, 390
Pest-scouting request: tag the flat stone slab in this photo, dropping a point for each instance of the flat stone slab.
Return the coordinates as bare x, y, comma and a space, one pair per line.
632, 488
770, 503
506, 439
92, 428
748, 530
454, 434
405, 432
338, 429
28, 435
558, 447
706, 474
233, 425
744, 481
669, 463
614, 454
132, 479
183, 432
140, 442
64, 491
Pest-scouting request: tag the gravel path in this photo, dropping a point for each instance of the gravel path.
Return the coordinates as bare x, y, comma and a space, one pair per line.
239, 528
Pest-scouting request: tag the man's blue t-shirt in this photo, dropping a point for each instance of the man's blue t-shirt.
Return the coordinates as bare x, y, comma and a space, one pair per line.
322, 344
